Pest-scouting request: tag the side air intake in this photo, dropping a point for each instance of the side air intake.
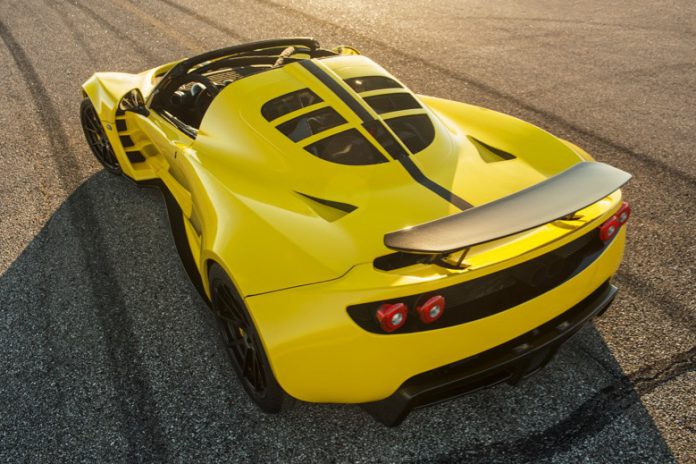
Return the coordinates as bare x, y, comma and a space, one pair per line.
329, 210
490, 154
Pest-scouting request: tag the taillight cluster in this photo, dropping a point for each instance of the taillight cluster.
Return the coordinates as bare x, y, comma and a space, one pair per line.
392, 316
611, 227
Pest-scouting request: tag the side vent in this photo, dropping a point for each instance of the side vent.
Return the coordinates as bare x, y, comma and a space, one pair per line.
136, 146
135, 157
491, 154
126, 141
329, 210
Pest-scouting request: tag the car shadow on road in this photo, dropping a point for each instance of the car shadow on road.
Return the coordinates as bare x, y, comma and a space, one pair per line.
108, 353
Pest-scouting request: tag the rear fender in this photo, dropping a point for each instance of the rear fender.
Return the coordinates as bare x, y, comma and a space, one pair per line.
251, 248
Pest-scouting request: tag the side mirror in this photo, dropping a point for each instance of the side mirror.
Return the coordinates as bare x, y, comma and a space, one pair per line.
134, 102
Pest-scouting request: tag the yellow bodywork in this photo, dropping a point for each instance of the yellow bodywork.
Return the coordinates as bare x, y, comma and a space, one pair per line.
243, 187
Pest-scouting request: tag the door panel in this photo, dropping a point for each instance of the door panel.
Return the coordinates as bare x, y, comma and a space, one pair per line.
175, 170
170, 143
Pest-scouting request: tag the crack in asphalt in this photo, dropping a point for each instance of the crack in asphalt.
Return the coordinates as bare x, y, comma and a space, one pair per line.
648, 378
139, 416
588, 419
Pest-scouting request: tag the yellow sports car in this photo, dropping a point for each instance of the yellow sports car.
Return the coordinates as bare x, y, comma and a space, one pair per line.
360, 243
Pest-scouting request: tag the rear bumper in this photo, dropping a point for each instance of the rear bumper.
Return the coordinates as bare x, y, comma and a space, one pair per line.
509, 362
319, 354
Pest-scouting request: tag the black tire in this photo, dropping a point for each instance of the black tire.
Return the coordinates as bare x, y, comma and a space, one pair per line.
244, 347
96, 138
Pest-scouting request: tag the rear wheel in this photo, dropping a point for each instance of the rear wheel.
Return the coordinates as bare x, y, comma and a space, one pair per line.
244, 345
96, 137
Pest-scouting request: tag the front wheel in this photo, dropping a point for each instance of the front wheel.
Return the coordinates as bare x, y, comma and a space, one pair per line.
97, 139
244, 345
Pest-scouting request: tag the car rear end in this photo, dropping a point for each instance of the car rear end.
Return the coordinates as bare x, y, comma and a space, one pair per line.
453, 329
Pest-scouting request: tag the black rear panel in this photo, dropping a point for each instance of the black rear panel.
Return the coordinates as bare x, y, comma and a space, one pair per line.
493, 293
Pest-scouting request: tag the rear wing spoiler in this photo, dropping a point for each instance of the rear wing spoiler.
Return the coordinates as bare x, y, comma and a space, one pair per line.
575, 188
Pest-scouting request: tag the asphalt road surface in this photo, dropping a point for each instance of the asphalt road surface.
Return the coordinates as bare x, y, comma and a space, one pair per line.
107, 354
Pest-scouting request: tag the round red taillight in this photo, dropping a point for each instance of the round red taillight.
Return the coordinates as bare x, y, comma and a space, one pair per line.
609, 229
391, 316
624, 213
432, 309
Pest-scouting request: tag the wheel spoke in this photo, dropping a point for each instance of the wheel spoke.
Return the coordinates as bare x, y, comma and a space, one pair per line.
233, 308
226, 297
230, 316
242, 346
237, 314
254, 372
92, 124
235, 343
260, 378
248, 360
97, 138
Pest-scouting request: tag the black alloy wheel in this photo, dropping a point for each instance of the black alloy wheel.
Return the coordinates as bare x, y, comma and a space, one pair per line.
96, 137
244, 346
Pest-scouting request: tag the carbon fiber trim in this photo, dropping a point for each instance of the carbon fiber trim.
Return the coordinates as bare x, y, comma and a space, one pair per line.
572, 190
